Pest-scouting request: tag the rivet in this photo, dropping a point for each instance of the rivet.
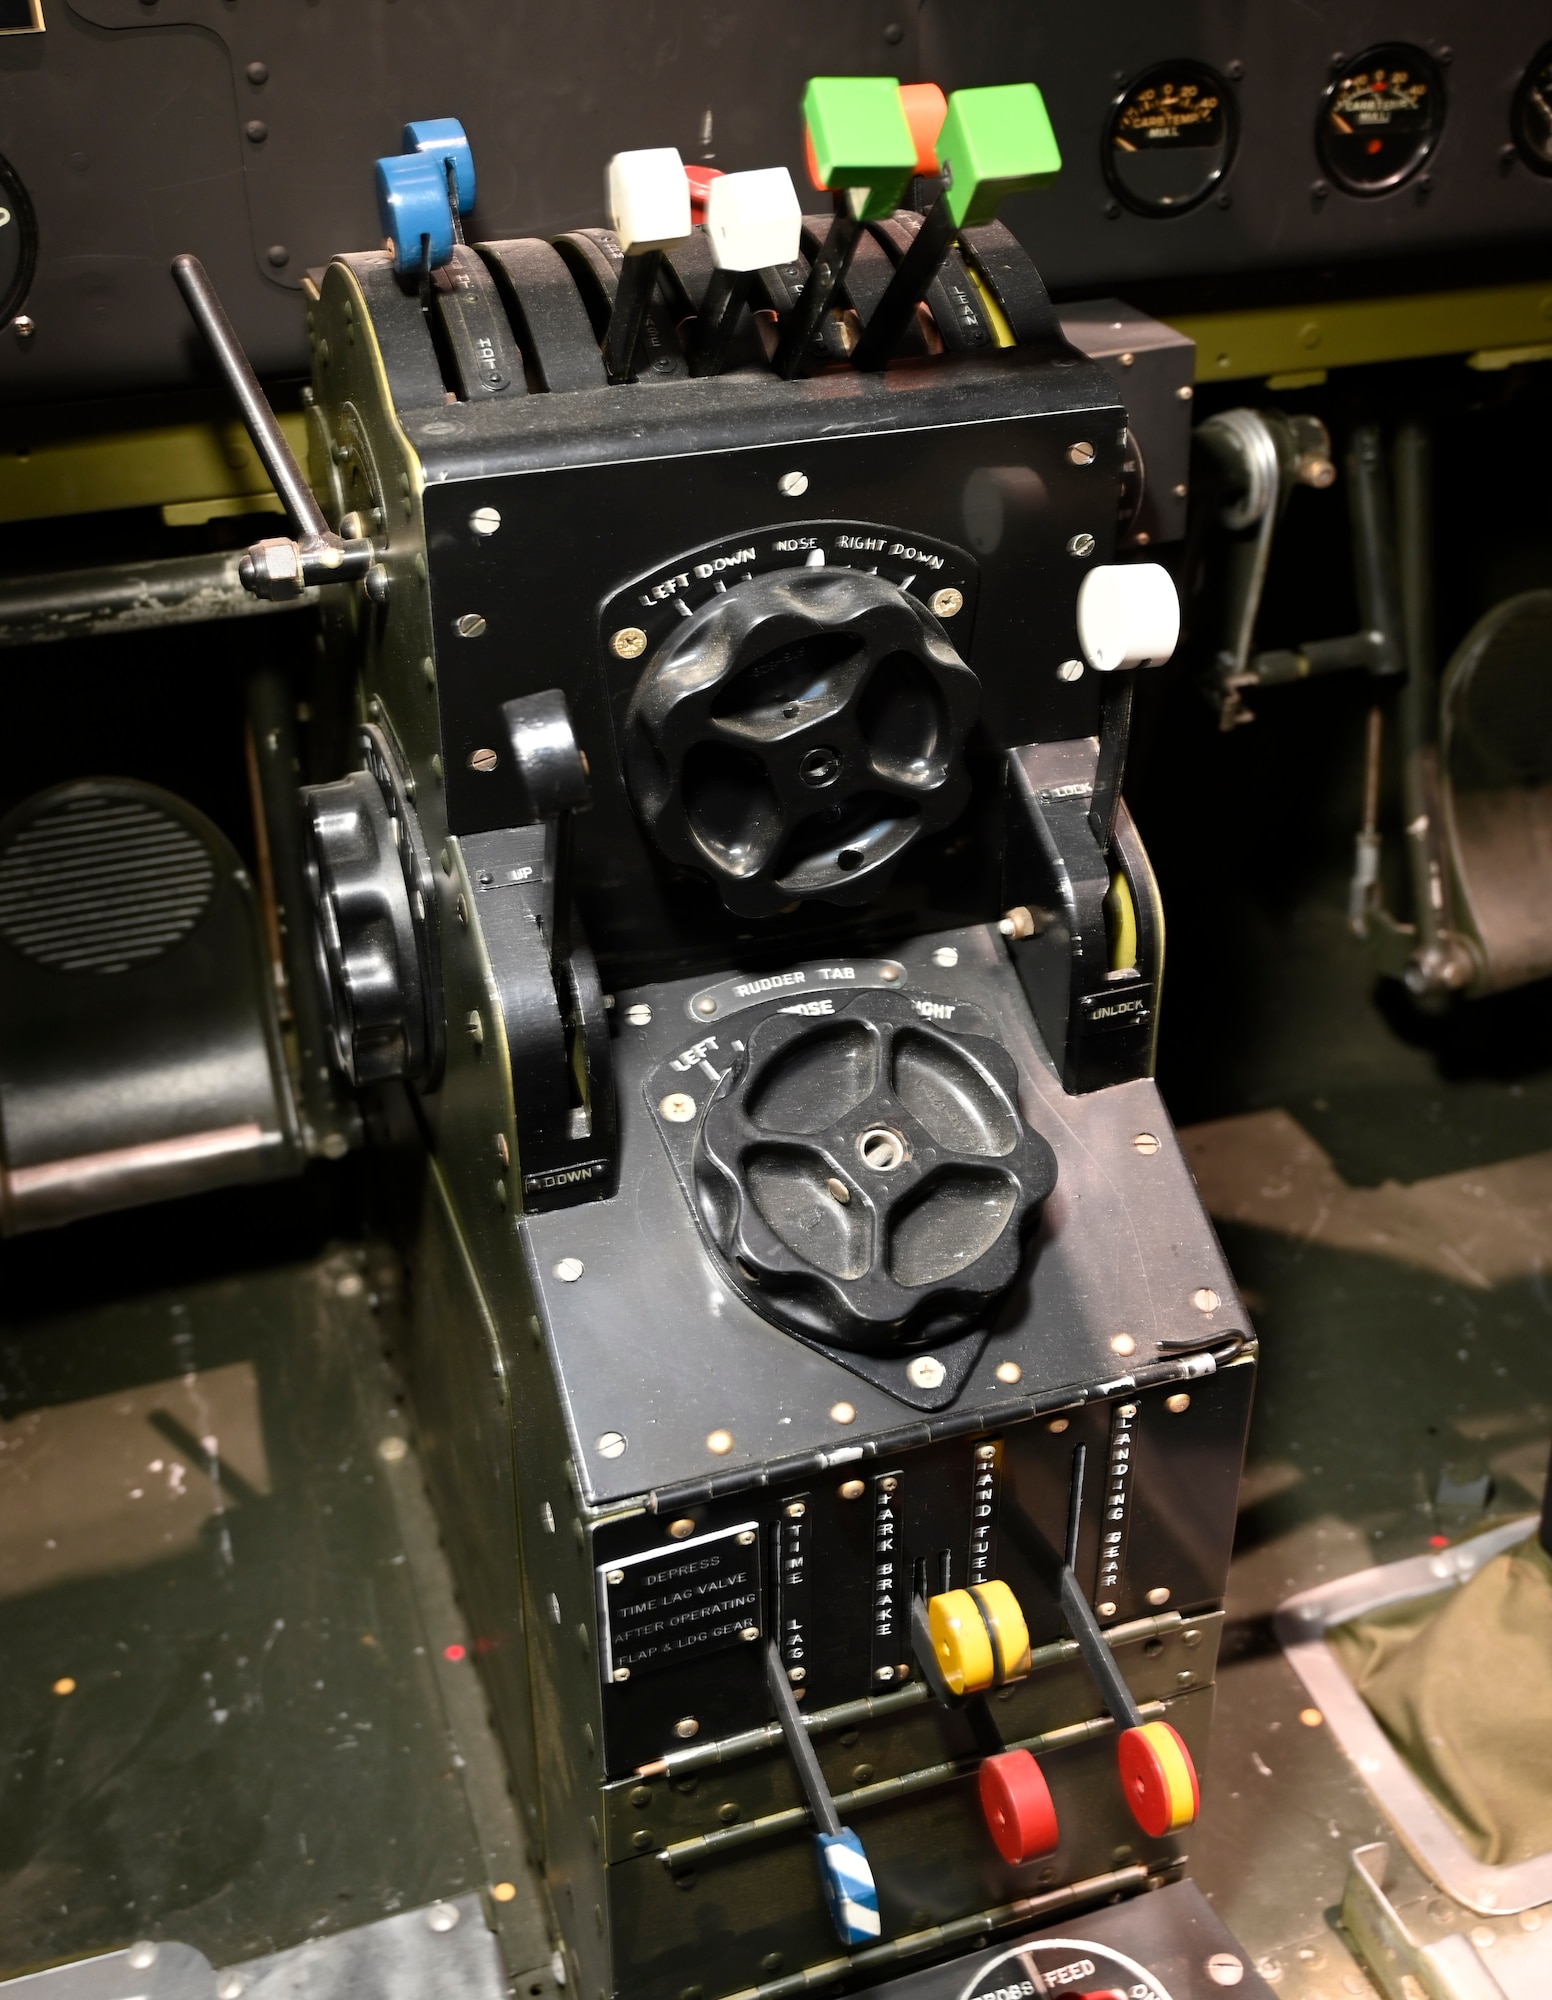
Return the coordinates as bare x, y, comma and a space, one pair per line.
986, 1453
1105, 1610
750, 1632
1206, 1300
1070, 670
142, 1956
257, 72
842, 1413
463, 917
681, 1528
795, 1509
706, 1004
728, 1813
629, 643
1081, 453
503, 1892
469, 626
719, 1443
503, 1151
442, 1917
1123, 1343
792, 485
611, 1444
686, 1727
1184, 393
230, 1986
1178, 1404
1145, 1143
485, 520
1081, 545
888, 1485
884, 1674
393, 1450
1126, 360
926, 1372
1159, 1594
838, 1191
614, 1576
852, 1489
946, 603
678, 1107
639, 1015
889, 974
256, 131
1009, 1372
474, 1024
447, 862
1311, 1717
279, 255
746, 1539
24, 326
568, 1270
1058, 1425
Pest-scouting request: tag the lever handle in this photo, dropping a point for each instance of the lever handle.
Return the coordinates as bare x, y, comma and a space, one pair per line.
1128, 617
844, 1873
860, 149
1158, 1778
993, 142
649, 210
276, 569
752, 222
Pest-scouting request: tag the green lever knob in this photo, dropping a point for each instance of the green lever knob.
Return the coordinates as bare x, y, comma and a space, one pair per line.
859, 140
995, 141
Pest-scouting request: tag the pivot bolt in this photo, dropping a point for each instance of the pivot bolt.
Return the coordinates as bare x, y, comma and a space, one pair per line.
820, 767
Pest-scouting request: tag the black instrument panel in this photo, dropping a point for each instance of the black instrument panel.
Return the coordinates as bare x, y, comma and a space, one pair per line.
1197, 145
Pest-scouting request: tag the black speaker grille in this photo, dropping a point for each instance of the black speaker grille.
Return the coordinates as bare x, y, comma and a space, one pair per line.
98, 883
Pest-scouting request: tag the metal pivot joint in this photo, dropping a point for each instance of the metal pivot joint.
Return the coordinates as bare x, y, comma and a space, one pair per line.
279, 568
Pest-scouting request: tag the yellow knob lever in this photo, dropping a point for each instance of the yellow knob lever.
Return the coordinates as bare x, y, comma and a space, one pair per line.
979, 1636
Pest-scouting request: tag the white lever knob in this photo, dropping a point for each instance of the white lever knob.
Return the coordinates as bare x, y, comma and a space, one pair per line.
1128, 616
753, 220
649, 199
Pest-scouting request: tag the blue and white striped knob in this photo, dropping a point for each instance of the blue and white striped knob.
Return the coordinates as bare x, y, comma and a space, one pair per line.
848, 1886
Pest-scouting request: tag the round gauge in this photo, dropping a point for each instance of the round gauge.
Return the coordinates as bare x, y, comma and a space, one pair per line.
1170, 138
18, 241
1380, 119
1075, 1966
1531, 118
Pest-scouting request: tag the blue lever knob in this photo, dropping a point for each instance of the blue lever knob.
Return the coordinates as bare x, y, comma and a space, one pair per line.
411, 204
445, 140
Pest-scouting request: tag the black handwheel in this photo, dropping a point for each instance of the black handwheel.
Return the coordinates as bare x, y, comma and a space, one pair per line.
796, 735
869, 1177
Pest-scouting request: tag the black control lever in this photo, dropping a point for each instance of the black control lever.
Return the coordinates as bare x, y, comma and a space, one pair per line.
280, 568
824, 279
553, 783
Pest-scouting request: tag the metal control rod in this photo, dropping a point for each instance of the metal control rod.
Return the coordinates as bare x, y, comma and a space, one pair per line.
269, 440
277, 569
1081, 1622
810, 1777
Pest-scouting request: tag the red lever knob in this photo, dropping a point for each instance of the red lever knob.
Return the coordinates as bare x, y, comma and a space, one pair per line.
1016, 1801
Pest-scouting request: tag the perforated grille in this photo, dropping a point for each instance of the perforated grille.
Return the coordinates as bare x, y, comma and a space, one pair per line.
99, 883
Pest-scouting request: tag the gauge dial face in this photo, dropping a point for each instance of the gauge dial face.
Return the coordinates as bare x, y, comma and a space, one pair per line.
1531, 118
1069, 1966
1170, 138
1380, 119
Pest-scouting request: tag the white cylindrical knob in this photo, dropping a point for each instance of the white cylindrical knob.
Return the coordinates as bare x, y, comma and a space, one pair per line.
753, 219
1128, 616
649, 199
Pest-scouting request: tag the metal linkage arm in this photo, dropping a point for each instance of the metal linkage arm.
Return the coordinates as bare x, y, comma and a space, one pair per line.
280, 568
